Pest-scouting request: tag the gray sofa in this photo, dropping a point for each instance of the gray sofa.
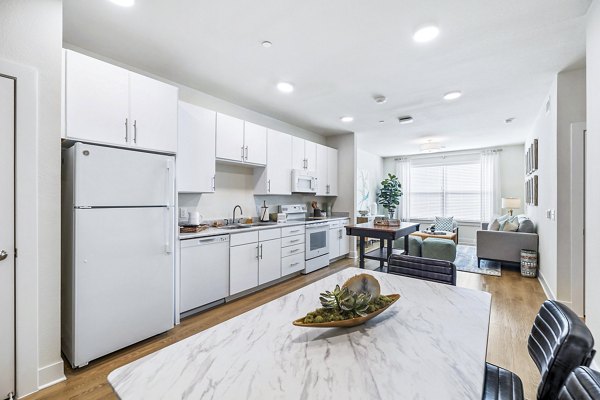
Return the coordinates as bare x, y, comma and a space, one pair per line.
503, 246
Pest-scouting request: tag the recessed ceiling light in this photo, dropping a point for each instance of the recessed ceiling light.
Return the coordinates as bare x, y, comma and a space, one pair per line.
285, 87
123, 3
406, 120
431, 147
509, 120
381, 121
347, 118
452, 95
380, 99
266, 44
426, 34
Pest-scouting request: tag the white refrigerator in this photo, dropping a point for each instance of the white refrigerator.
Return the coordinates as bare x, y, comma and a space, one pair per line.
117, 258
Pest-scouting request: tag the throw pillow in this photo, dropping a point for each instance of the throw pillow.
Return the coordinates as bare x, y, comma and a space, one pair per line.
503, 218
510, 226
494, 225
526, 225
513, 220
444, 224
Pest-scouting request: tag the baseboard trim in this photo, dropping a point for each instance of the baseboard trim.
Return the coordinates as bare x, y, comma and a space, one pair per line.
51, 374
470, 242
549, 294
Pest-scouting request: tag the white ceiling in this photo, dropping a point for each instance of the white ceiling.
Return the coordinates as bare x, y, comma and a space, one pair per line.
339, 53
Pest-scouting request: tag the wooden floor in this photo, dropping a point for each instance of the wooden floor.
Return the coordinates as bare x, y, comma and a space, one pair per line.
515, 303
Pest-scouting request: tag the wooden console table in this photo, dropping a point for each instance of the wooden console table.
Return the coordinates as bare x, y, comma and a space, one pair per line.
382, 232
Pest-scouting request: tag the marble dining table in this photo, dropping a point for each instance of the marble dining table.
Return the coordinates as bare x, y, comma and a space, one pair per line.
430, 344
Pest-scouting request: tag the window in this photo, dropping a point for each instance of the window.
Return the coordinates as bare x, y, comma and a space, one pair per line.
452, 189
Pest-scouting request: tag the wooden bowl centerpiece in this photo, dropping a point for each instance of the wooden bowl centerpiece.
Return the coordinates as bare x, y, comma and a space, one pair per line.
357, 301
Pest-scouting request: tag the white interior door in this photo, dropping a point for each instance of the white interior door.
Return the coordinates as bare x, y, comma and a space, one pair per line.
7, 235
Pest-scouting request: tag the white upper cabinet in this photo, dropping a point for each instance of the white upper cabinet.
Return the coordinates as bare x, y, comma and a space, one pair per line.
304, 154
298, 159
230, 138
327, 171
153, 110
255, 143
276, 177
111, 105
196, 149
96, 100
321, 170
332, 172
241, 141
310, 153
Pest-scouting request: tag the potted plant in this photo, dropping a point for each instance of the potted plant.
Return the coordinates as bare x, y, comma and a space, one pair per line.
389, 194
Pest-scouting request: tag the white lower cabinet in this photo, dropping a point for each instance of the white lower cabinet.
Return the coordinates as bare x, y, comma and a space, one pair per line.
339, 245
243, 267
269, 263
292, 249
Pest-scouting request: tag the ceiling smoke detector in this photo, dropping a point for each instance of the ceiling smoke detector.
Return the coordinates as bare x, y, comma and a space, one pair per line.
406, 120
509, 120
380, 99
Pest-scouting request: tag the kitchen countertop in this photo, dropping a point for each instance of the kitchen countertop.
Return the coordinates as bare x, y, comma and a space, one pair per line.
218, 231
431, 344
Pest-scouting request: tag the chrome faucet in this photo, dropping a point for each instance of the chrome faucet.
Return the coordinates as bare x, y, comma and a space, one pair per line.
234, 208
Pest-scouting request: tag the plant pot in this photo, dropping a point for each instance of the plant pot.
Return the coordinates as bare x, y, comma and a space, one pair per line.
391, 213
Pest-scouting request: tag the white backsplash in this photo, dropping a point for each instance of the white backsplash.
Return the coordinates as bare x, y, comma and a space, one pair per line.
235, 186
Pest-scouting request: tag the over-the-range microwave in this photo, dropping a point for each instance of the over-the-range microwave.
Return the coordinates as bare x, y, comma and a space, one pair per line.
303, 181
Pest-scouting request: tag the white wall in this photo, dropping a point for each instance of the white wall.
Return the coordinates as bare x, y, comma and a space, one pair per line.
512, 171
592, 277
372, 164
31, 33
545, 130
553, 131
571, 109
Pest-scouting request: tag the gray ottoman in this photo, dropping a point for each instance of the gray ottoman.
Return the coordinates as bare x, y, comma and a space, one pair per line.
439, 249
414, 245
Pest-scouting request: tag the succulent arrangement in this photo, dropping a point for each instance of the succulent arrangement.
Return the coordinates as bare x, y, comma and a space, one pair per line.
358, 297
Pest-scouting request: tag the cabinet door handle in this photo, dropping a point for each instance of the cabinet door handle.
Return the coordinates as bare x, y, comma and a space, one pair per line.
242, 153
257, 252
294, 241
126, 130
135, 131
269, 186
294, 264
246, 153
340, 234
294, 250
261, 251
214, 181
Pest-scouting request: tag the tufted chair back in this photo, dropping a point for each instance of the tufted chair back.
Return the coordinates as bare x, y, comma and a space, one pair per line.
582, 384
559, 342
423, 268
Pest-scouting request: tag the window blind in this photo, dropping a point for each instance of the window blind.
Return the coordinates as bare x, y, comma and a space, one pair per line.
449, 189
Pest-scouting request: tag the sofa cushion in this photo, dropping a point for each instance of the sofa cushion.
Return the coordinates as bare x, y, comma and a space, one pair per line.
510, 226
444, 224
526, 225
494, 225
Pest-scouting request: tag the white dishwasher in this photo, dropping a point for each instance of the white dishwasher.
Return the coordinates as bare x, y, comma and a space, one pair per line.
204, 276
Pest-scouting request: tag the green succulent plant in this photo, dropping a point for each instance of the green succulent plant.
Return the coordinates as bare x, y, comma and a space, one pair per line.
346, 301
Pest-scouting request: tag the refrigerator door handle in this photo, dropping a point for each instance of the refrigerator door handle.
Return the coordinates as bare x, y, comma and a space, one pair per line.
170, 182
169, 226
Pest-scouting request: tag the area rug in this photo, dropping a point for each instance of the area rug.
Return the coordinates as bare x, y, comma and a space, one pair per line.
466, 261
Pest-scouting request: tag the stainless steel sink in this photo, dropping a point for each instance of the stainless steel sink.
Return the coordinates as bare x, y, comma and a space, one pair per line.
233, 227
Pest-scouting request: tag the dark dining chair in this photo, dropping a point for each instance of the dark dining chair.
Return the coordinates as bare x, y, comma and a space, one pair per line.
558, 343
422, 268
582, 384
